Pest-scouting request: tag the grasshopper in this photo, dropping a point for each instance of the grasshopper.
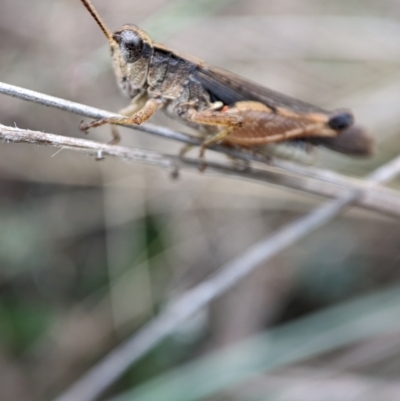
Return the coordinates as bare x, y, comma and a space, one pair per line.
223, 106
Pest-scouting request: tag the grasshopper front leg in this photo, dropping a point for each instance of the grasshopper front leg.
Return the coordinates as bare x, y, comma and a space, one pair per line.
137, 118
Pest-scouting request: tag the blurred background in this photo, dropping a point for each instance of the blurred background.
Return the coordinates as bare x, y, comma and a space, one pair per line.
90, 251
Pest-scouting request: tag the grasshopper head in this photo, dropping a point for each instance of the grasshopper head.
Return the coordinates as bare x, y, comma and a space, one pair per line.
131, 50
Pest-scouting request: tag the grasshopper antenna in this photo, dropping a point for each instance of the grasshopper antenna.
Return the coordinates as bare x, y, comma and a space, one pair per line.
90, 7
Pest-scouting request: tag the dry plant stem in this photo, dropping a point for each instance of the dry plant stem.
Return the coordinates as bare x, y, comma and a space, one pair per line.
383, 200
113, 366
18, 135
91, 112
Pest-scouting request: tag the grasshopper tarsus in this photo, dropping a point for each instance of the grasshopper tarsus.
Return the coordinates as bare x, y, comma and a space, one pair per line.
116, 136
175, 173
84, 127
202, 165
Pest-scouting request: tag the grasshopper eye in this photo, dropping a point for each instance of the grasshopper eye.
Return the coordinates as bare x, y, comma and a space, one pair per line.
130, 44
341, 121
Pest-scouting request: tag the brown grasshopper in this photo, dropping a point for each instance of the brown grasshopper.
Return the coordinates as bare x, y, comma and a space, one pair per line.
223, 106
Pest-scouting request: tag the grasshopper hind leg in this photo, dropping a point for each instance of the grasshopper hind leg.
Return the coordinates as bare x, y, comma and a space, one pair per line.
210, 118
219, 137
182, 153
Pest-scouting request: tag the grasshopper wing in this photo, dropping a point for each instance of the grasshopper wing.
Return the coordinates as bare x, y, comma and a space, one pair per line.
231, 88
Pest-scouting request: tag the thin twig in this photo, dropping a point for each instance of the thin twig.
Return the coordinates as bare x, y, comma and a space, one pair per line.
381, 200
18, 135
91, 112
113, 366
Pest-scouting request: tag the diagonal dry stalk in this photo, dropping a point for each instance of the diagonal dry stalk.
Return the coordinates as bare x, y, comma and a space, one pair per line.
378, 199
